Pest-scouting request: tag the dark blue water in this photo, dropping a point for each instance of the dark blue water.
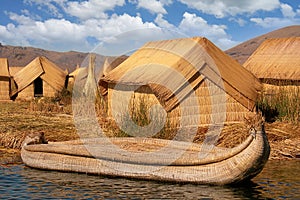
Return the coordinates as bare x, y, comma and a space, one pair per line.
278, 180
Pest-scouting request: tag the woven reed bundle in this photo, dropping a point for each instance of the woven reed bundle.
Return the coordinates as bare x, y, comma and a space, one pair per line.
238, 167
102, 150
220, 166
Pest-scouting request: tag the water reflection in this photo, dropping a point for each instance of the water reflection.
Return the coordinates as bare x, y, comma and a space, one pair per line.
279, 180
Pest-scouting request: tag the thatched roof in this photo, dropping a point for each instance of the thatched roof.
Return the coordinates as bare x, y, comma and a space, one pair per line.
276, 59
196, 59
53, 75
4, 70
14, 70
102, 68
40, 67
78, 71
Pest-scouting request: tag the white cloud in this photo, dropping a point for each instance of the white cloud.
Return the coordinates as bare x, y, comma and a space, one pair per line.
240, 21
194, 25
274, 22
289, 18
91, 8
20, 19
287, 11
128, 42
51, 6
161, 22
116, 34
154, 6
223, 8
84, 10
118, 24
63, 35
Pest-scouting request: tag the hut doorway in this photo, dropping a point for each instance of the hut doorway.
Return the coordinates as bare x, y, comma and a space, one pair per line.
38, 87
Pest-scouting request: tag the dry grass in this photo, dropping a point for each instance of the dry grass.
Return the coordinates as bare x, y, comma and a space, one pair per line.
16, 120
281, 102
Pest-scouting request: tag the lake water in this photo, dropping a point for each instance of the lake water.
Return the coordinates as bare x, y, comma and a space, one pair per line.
278, 180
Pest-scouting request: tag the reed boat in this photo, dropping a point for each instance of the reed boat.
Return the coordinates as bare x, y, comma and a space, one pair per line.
152, 159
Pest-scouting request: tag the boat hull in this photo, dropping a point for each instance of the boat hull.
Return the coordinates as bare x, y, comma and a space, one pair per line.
227, 167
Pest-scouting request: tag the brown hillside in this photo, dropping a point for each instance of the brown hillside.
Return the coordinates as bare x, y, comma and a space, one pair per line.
21, 56
242, 51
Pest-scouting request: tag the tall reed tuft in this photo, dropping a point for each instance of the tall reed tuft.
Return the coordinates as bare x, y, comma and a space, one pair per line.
140, 116
281, 102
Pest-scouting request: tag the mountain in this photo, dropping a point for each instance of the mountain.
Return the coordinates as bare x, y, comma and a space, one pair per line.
21, 56
242, 51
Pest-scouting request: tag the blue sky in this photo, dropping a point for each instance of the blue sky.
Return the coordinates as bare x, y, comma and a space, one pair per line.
117, 26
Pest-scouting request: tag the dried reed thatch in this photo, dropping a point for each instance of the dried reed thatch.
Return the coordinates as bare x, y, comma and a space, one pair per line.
72, 76
5, 80
277, 59
103, 65
277, 63
216, 80
41, 73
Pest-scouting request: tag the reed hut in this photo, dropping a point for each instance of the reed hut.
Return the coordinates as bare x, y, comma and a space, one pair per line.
40, 78
102, 68
190, 78
4, 80
276, 62
72, 76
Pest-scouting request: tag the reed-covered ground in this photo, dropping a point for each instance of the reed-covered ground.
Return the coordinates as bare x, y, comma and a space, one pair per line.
56, 121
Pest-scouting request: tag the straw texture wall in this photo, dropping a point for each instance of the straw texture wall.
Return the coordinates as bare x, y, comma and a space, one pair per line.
27, 93
4, 70
4, 88
4, 80
198, 61
143, 98
48, 90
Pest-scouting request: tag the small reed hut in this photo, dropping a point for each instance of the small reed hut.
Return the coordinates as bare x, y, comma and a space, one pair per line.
191, 78
40, 78
103, 65
276, 62
5, 80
